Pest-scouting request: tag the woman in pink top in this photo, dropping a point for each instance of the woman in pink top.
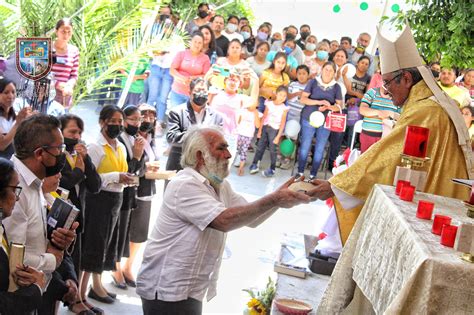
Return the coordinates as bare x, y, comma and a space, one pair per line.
188, 65
66, 67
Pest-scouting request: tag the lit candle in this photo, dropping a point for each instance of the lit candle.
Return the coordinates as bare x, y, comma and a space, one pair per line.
416, 141
438, 222
424, 210
448, 235
407, 193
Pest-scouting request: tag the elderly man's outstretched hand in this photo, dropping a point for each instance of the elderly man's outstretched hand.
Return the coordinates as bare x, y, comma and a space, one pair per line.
287, 198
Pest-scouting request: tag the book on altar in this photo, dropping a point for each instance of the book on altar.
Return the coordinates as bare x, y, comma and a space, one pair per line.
466, 182
62, 215
15, 258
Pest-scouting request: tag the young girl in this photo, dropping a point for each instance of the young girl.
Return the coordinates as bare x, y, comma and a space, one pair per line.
273, 119
247, 120
271, 79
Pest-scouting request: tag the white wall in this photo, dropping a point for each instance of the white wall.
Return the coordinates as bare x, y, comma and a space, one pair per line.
350, 21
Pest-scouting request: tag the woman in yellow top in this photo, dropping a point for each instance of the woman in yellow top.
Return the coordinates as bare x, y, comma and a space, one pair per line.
109, 156
271, 79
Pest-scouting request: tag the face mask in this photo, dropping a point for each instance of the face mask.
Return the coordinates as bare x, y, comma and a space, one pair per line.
57, 167
304, 35
287, 50
131, 130
203, 14
245, 35
231, 27
310, 46
200, 98
290, 36
164, 17
262, 36
113, 131
70, 144
435, 73
146, 126
360, 49
322, 55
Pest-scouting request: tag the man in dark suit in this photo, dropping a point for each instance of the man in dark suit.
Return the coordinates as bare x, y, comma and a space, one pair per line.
195, 111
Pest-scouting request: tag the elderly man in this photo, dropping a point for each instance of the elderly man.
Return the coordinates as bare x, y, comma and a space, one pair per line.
363, 41
412, 86
183, 255
447, 79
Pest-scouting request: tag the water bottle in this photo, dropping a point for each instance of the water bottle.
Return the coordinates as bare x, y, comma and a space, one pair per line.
213, 57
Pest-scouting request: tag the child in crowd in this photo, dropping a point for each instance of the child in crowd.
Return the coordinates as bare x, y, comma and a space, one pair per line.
294, 93
269, 133
247, 120
271, 79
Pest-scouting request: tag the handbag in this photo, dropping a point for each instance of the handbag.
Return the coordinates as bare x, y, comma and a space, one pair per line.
336, 122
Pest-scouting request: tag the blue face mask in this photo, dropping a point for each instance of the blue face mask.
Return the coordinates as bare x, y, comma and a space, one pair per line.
245, 35
322, 55
288, 50
262, 36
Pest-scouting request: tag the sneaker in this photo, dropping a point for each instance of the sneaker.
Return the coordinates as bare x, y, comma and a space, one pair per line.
268, 173
311, 177
298, 175
253, 169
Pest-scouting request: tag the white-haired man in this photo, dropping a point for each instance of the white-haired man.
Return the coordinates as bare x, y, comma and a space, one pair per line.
183, 255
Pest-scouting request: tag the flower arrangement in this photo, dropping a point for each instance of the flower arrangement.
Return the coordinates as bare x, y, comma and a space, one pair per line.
261, 301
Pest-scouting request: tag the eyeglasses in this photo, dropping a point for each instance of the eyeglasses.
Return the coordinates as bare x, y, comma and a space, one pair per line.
17, 190
385, 84
61, 147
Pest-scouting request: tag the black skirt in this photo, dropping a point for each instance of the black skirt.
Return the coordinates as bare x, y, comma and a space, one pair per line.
99, 249
140, 221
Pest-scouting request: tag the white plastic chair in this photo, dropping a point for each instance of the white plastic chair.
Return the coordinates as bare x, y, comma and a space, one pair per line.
357, 129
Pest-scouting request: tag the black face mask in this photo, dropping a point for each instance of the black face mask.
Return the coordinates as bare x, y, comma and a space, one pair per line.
146, 126
57, 167
200, 98
435, 73
131, 130
304, 35
164, 17
113, 131
70, 144
203, 14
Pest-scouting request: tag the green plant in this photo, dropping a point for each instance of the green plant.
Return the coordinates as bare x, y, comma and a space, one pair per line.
261, 301
442, 29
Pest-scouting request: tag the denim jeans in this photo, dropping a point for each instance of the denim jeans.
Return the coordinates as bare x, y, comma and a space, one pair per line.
159, 87
261, 104
268, 135
306, 137
177, 99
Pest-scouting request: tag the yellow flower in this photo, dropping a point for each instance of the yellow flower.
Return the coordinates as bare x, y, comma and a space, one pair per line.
253, 302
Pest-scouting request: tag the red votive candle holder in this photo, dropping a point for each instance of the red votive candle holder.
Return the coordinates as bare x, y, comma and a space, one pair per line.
438, 222
448, 235
400, 184
424, 210
416, 141
471, 199
407, 192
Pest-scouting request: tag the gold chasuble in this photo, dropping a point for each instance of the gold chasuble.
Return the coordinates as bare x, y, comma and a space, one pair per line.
378, 164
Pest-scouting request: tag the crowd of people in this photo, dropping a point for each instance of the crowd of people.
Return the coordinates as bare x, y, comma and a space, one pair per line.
250, 86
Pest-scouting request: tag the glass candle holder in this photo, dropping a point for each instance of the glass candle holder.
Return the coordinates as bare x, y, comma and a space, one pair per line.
438, 222
424, 210
416, 141
407, 193
448, 235
400, 184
